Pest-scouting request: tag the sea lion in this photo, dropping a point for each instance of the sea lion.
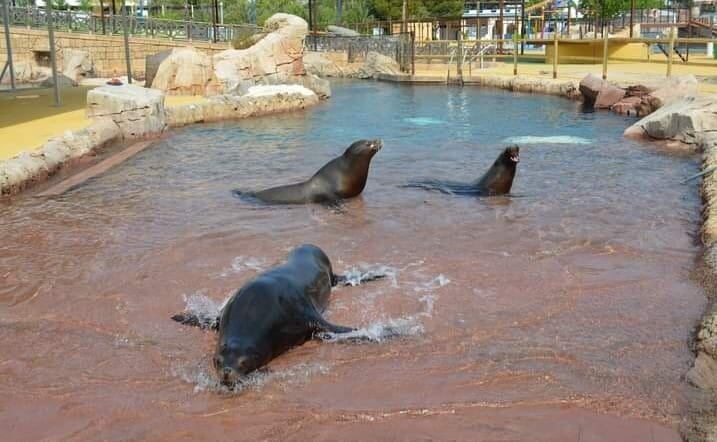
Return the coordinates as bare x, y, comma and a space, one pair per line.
341, 178
497, 181
275, 311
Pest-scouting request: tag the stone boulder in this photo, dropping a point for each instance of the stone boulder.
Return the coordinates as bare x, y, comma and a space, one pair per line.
77, 65
675, 88
318, 64
152, 63
376, 64
627, 106
28, 72
342, 32
599, 93
138, 112
184, 71
62, 80
684, 120
656, 95
275, 59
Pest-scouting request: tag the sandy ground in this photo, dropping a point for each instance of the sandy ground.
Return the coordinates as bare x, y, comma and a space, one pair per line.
28, 118
619, 72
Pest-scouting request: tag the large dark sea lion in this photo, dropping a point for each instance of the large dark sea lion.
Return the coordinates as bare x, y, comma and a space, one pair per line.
277, 310
341, 178
497, 181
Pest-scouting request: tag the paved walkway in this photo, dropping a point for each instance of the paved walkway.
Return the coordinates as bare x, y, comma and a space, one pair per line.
28, 118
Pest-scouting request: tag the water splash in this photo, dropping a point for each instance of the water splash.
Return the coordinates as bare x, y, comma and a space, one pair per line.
367, 272
435, 283
379, 331
203, 378
206, 309
555, 139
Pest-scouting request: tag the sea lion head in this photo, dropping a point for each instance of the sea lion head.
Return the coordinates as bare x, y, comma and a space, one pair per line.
234, 359
362, 148
510, 156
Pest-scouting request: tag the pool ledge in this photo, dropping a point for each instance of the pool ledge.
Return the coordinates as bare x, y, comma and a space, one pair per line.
129, 113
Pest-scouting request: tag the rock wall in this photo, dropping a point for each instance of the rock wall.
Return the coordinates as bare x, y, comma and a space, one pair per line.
106, 53
259, 100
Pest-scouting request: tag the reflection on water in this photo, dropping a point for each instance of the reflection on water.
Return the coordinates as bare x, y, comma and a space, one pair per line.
568, 302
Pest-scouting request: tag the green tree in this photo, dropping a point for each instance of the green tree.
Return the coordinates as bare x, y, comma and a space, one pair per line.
611, 8
59, 4
86, 5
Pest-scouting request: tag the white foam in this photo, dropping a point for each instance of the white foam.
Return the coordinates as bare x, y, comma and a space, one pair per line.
555, 139
244, 263
423, 121
268, 90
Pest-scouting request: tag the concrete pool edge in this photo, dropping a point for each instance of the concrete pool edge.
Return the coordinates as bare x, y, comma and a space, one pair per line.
144, 122
564, 88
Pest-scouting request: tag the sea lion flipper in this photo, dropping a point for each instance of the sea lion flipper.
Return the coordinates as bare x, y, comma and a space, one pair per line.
194, 321
319, 325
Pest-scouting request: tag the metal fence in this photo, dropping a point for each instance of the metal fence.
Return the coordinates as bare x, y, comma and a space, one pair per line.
398, 46
82, 22
533, 26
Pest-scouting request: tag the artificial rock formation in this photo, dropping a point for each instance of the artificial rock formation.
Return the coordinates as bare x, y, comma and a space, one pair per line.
259, 100
138, 112
276, 58
184, 71
376, 64
599, 93
685, 120
77, 65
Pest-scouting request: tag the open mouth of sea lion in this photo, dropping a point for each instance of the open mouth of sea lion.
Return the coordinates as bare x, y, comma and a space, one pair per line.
376, 145
513, 154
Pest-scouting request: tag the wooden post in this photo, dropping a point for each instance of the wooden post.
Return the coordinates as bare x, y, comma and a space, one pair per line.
499, 25
8, 43
670, 50
604, 55
515, 52
404, 17
127, 53
555, 53
53, 54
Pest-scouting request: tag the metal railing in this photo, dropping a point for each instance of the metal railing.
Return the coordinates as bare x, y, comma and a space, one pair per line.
397, 46
82, 22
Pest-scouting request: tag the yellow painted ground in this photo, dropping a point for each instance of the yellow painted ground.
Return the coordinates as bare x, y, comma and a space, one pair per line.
29, 118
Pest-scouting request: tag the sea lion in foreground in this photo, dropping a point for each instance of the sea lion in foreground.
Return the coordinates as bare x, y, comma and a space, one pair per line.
277, 310
341, 178
497, 181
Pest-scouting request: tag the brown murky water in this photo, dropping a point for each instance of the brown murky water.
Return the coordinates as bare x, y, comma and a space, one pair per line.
561, 313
